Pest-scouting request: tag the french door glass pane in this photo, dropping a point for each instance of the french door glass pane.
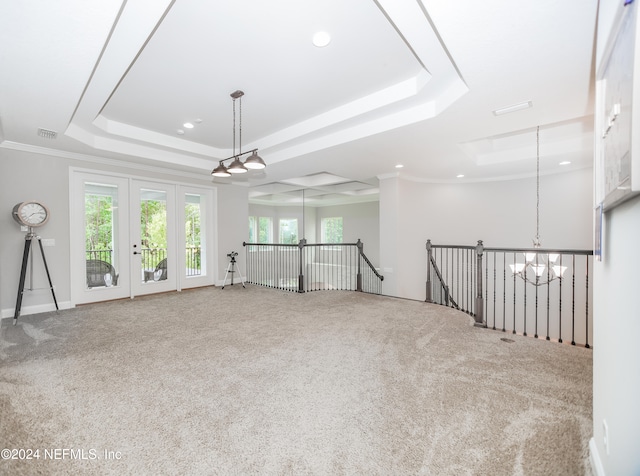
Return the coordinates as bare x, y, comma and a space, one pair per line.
153, 233
193, 233
101, 232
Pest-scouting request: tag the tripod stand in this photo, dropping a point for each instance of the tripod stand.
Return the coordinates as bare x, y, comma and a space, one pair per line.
23, 272
231, 269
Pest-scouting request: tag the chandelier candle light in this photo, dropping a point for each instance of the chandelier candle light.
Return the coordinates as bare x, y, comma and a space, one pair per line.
254, 161
539, 263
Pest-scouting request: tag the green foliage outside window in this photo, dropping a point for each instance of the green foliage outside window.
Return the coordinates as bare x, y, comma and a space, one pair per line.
264, 230
192, 234
289, 231
260, 229
331, 230
99, 224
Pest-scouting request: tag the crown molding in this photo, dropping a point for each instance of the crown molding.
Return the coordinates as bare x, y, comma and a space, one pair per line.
64, 154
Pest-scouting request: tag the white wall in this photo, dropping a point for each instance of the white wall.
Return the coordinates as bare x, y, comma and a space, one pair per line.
616, 354
38, 176
233, 225
502, 214
305, 217
25, 176
360, 220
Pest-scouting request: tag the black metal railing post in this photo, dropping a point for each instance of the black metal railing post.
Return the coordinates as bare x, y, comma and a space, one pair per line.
359, 273
479, 315
429, 297
301, 246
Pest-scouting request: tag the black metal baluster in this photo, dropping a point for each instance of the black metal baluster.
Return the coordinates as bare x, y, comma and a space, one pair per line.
560, 308
271, 267
536, 303
573, 301
587, 305
494, 289
446, 269
469, 283
514, 295
525, 301
548, 292
504, 290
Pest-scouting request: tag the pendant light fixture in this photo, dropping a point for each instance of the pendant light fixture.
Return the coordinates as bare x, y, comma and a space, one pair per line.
254, 161
537, 263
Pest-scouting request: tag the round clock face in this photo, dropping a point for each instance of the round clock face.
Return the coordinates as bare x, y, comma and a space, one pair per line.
31, 213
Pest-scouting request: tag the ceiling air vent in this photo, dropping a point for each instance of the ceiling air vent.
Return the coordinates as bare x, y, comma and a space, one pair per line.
47, 134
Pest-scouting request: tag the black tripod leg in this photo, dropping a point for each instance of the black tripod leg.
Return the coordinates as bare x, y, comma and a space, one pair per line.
46, 268
23, 274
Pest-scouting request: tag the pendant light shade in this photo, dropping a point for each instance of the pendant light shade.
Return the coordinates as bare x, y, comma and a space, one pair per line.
254, 162
237, 167
220, 171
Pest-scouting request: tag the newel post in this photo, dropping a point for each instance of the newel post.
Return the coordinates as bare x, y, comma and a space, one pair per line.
429, 296
301, 246
479, 300
360, 246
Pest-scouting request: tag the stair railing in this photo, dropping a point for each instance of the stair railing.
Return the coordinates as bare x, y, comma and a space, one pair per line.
491, 285
305, 267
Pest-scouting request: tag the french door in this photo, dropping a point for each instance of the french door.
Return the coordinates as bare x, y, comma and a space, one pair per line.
131, 237
153, 238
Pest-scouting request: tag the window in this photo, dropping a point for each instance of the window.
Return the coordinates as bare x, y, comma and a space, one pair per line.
193, 234
331, 230
260, 230
289, 231
253, 230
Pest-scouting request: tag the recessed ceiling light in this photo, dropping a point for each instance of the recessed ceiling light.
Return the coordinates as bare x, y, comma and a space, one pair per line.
459, 175
180, 132
188, 125
321, 39
565, 162
399, 166
513, 108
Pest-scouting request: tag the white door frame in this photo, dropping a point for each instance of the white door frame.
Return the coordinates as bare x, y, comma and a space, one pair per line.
79, 292
206, 278
139, 284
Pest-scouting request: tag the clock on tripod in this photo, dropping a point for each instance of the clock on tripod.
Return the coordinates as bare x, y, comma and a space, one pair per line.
30, 214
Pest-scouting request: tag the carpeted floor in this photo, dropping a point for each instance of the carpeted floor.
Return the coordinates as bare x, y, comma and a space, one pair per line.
258, 381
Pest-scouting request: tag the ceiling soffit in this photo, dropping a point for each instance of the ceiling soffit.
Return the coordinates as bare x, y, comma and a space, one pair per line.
563, 139
430, 83
319, 189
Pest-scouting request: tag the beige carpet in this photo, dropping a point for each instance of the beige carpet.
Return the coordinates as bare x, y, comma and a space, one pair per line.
258, 381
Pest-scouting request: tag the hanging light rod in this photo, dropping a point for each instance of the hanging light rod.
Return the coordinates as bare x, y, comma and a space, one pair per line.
538, 262
254, 162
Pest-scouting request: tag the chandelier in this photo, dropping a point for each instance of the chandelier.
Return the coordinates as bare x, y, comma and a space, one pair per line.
254, 161
539, 268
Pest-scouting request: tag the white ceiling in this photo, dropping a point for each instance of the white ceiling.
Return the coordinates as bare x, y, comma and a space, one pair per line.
411, 82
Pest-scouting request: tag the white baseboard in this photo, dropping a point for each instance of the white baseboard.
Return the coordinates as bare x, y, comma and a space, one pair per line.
594, 457
26, 310
236, 280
